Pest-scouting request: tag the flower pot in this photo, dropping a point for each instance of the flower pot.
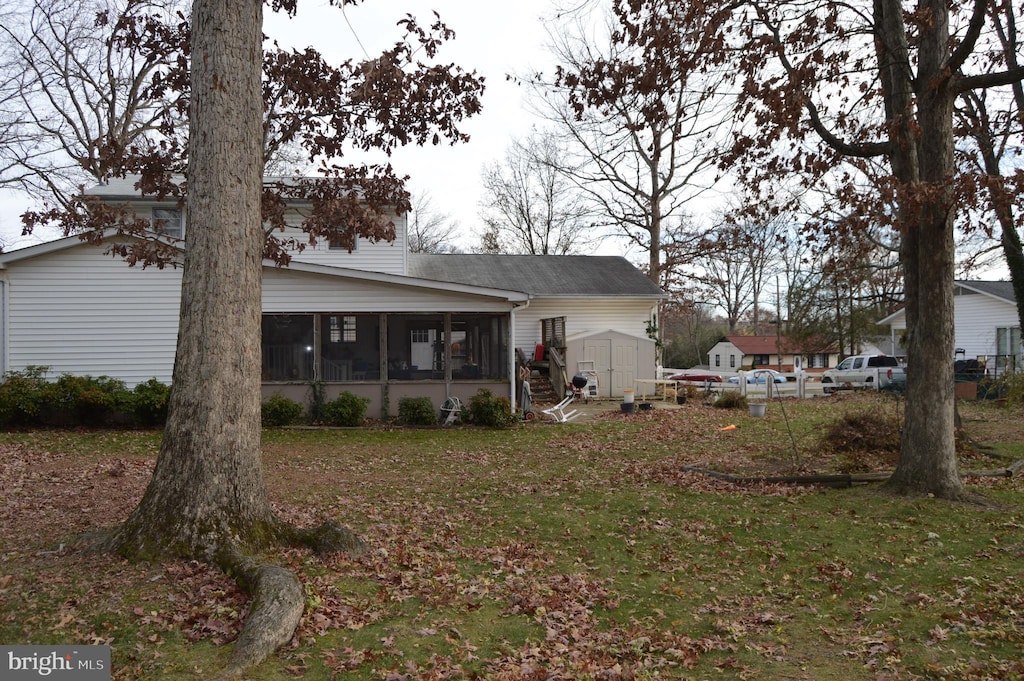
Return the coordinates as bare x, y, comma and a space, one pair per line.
627, 407
757, 408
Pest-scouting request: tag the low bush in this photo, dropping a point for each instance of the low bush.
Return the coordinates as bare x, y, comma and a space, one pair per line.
21, 397
416, 411
280, 411
150, 403
28, 400
345, 410
86, 401
731, 399
487, 409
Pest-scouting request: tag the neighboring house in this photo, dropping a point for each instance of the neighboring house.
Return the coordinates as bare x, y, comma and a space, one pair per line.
735, 353
985, 323
378, 321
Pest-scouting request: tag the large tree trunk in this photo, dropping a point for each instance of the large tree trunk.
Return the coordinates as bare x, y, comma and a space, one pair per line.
208, 484
922, 162
207, 498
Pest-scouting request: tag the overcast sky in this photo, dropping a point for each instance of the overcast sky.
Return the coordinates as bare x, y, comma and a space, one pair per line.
491, 38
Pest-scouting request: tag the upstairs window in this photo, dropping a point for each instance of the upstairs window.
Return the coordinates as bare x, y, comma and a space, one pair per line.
343, 243
167, 221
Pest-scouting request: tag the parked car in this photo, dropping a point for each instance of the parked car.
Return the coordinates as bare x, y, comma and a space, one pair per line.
760, 376
696, 377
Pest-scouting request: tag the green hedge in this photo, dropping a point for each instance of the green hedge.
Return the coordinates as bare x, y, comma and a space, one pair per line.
416, 411
345, 410
29, 400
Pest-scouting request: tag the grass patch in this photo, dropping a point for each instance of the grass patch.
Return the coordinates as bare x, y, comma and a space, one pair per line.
578, 550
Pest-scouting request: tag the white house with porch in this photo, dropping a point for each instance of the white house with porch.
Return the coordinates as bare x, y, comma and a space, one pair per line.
376, 321
986, 325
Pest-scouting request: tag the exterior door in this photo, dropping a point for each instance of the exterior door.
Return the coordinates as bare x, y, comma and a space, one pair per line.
615, 363
421, 344
623, 366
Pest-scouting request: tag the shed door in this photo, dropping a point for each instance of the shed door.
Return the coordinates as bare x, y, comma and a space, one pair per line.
624, 354
615, 363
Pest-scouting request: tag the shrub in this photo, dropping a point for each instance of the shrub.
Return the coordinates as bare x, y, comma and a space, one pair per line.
21, 396
731, 399
345, 410
279, 411
1011, 387
486, 409
84, 400
416, 411
150, 400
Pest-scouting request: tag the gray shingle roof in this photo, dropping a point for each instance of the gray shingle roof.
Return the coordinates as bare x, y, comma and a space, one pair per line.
545, 275
999, 289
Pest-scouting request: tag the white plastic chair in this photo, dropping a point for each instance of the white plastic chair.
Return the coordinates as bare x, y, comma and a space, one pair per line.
451, 411
559, 413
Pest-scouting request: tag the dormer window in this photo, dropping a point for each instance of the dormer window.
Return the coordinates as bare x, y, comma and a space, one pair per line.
342, 244
168, 221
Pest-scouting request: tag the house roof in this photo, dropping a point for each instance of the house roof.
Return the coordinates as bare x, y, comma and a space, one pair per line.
538, 275
769, 345
995, 289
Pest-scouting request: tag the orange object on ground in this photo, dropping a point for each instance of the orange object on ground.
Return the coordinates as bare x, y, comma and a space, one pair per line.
731, 426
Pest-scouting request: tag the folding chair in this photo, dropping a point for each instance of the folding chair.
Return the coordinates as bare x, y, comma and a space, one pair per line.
559, 413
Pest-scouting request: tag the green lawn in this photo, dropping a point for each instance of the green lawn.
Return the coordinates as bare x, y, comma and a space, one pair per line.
546, 551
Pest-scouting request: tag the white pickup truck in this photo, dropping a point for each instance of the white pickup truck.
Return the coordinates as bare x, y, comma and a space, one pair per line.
877, 372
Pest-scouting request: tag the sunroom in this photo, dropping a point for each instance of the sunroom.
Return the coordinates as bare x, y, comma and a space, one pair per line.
339, 347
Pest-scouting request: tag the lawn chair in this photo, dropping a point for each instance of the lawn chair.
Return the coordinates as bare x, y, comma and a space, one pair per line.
451, 411
559, 412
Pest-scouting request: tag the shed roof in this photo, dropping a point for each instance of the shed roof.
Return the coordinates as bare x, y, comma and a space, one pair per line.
538, 275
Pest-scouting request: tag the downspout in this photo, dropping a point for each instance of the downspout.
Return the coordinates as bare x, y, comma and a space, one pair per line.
513, 374
3, 327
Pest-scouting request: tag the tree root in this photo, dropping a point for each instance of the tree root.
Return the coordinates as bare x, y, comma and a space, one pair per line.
329, 537
278, 596
277, 606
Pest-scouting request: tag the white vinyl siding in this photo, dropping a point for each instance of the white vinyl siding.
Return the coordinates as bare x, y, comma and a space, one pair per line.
626, 315
382, 256
290, 291
976, 319
84, 313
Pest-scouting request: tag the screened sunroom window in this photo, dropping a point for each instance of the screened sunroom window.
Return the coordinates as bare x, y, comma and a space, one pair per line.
287, 347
